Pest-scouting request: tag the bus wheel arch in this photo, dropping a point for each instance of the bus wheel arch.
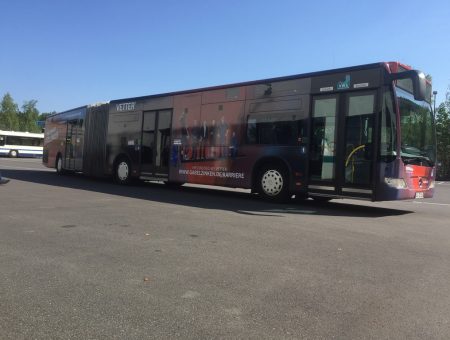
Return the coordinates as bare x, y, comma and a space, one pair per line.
271, 178
122, 169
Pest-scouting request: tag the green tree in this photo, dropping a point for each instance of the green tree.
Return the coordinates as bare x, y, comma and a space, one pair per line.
9, 119
443, 138
29, 116
43, 116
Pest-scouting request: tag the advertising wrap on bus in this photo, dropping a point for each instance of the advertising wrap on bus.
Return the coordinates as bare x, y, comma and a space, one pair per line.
352, 132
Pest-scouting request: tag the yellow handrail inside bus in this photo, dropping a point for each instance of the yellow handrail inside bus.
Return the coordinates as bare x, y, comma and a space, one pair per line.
353, 151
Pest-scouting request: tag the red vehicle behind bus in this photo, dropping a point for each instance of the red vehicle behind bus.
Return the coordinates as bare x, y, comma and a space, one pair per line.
364, 132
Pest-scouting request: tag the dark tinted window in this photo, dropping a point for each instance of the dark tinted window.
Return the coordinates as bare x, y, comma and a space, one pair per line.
24, 141
273, 129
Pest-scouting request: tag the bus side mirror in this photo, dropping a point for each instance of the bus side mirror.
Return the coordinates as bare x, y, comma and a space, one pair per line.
419, 82
420, 86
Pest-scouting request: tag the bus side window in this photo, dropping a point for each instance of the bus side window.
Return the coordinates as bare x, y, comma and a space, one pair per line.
2, 140
284, 133
252, 136
272, 129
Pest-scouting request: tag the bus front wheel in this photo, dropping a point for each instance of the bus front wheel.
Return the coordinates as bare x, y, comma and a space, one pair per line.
13, 154
273, 183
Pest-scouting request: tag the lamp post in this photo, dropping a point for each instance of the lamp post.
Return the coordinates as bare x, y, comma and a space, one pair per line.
434, 102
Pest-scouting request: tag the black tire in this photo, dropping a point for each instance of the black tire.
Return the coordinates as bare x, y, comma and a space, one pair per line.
122, 171
58, 165
13, 153
273, 183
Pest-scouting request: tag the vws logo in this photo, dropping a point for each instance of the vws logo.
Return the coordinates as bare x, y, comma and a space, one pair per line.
345, 84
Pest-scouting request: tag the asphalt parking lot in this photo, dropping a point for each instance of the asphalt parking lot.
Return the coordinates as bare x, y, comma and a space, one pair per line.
87, 259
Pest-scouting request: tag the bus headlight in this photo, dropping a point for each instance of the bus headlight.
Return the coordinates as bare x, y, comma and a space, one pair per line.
398, 183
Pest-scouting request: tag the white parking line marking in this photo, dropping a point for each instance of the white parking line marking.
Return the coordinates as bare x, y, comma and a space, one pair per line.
431, 203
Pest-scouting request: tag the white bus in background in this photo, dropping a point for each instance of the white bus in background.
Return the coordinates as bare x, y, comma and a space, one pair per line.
21, 144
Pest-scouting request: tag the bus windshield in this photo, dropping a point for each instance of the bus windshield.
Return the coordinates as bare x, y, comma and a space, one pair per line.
418, 146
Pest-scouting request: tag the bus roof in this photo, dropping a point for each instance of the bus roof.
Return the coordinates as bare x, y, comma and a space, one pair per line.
254, 82
388, 66
21, 134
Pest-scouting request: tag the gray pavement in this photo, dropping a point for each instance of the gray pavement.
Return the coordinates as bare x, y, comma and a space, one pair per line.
87, 259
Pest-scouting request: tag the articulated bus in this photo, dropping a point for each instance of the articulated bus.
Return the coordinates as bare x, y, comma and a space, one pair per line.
21, 144
364, 132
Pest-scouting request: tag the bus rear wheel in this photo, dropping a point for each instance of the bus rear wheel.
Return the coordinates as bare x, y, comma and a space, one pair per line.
59, 166
13, 153
273, 183
122, 173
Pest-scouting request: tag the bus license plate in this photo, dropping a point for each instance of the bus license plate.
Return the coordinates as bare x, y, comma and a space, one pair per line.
419, 194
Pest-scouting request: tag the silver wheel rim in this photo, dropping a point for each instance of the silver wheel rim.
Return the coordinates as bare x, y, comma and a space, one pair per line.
272, 182
59, 165
122, 171
13, 153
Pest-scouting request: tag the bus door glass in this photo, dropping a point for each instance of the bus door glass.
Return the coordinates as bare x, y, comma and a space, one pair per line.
78, 140
148, 142
163, 141
74, 145
357, 166
156, 143
322, 159
71, 136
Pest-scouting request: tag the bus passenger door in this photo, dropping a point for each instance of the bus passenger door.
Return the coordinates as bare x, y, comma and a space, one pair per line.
155, 146
69, 159
341, 157
74, 145
357, 158
323, 143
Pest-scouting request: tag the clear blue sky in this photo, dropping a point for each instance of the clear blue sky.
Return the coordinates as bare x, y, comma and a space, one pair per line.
70, 53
